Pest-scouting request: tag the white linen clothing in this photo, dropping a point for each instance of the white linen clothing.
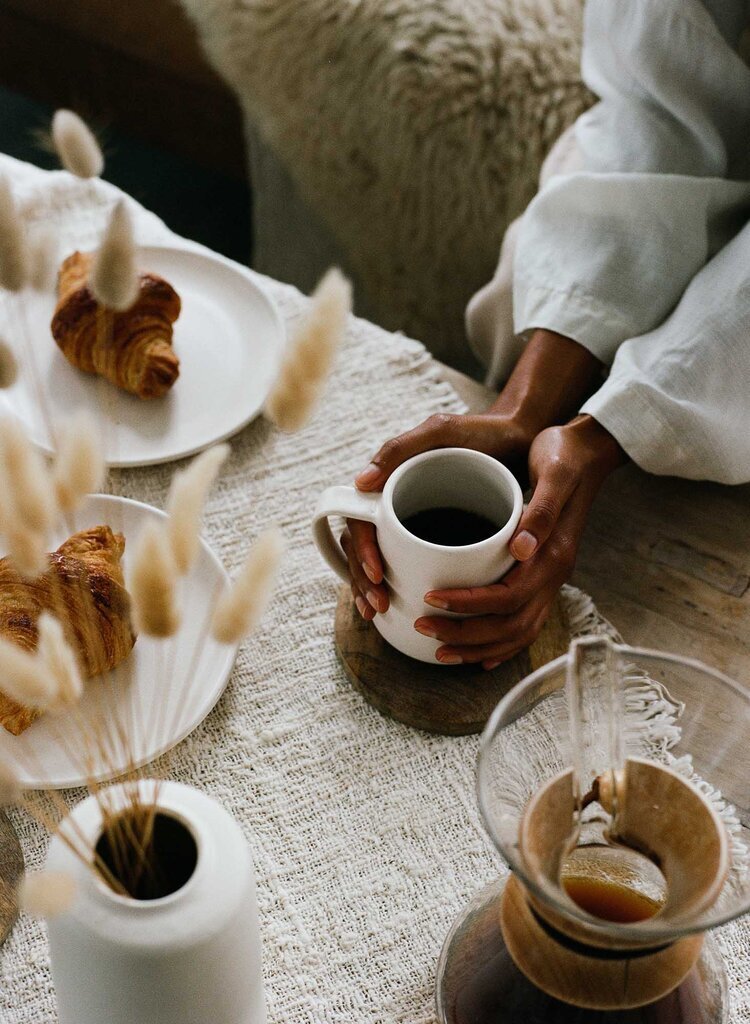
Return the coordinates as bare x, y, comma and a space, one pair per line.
678, 398
643, 255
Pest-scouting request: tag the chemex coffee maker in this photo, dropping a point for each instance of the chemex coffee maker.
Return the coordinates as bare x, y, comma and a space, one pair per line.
615, 783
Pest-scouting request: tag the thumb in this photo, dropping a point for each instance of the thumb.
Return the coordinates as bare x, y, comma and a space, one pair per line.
540, 516
439, 431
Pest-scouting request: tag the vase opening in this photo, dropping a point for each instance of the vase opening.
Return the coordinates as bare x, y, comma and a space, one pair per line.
153, 868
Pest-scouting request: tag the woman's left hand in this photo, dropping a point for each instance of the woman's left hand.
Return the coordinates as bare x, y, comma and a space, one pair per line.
567, 466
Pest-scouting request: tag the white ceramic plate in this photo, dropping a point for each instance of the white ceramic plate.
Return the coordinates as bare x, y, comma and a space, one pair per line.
229, 338
157, 695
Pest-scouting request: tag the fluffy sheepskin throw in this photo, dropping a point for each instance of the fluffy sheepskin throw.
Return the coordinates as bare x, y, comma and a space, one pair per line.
414, 129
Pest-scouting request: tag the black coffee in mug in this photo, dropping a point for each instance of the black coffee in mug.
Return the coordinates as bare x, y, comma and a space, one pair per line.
451, 527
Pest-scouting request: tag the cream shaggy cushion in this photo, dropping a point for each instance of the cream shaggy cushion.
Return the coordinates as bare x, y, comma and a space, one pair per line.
414, 130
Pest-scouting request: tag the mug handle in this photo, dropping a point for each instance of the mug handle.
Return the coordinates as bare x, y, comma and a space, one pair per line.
341, 501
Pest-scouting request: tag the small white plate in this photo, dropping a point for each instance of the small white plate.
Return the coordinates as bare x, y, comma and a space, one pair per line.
229, 339
158, 694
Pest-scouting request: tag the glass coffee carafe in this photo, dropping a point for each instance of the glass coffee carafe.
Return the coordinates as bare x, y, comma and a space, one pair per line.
615, 782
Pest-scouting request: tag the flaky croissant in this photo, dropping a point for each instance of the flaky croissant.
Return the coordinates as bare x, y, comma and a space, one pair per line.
132, 350
85, 590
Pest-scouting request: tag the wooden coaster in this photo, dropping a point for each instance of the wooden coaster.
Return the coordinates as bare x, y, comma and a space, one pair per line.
11, 869
451, 701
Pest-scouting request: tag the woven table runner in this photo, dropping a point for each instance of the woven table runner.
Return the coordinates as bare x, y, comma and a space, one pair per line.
366, 834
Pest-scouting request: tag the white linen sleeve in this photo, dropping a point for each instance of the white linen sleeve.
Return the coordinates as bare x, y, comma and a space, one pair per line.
678, 398
604, 254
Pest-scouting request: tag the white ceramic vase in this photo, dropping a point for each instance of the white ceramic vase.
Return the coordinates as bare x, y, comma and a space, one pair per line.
193, 957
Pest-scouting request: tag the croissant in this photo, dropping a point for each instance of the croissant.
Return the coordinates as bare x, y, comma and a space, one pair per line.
84, 588
135, 351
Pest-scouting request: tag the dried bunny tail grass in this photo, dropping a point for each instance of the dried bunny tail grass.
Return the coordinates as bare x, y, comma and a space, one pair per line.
311, 352
11, 791
46, 893
153, 581
26, 482
292, 403
79, 467
43, 259
26, 550
187, 497
76, 145
242, 606
14, 257
8, 366
114, 278
24, 678
56, 654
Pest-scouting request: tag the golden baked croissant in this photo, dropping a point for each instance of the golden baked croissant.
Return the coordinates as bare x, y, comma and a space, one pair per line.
85, 590
135, 351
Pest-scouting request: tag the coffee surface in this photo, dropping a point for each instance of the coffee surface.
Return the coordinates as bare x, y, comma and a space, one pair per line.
453, 527
610, 901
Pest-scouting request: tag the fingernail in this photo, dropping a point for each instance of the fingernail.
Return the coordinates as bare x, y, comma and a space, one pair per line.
425, 630
489, 665
369, 573
450, 659
361, 605
523, 546
374, 600
436, 602
368, 475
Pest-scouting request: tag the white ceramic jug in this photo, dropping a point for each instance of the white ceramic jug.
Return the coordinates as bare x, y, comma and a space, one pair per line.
193, 957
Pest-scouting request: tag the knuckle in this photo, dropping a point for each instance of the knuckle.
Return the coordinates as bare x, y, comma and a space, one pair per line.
543, 513
507, 602
535, 628
440, 422
456, 630
501, 600
388, 451
564, 554
525, 624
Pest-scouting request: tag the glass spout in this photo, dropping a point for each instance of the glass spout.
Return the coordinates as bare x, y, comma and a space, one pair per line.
596, 710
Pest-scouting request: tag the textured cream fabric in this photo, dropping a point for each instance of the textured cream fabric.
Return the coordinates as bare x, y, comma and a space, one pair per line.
413, 129
366, 834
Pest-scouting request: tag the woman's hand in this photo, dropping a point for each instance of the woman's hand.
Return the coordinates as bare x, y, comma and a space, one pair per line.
567, 467
550, 380
493, 433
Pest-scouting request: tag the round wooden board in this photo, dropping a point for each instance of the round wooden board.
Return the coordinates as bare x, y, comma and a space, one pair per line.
451, 701
11, 869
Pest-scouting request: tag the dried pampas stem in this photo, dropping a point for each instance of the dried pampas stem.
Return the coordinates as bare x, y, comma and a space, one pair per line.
14, 257
43, 259
26, 484
187, 496
79, 466
11, 791
152, 583
8, 366
241, 608
114, 276
310, 355
76, 145
46, 893
57, 656
25, 678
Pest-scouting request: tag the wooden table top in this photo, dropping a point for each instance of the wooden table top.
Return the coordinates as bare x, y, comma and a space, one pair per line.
667, 561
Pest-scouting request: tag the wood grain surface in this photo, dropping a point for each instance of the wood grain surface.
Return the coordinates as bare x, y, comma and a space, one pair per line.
666, 560
450, 700
11, 869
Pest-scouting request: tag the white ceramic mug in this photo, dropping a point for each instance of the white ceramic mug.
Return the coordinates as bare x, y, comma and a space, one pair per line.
444, 478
